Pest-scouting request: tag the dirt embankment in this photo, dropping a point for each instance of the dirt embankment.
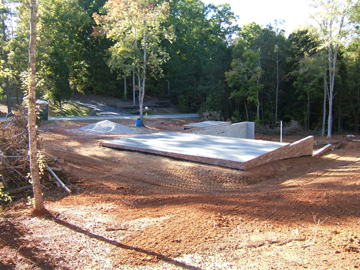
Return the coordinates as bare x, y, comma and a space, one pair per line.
135, 211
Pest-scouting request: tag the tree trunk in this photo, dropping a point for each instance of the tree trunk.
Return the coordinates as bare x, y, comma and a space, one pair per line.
324, 104
8, 91
246, 111
6, 61
357, 118
34, 167
61, 108
332, 72
277, 86
134, 86
125, 88
142, 89
339, 118
168, 84
308, 112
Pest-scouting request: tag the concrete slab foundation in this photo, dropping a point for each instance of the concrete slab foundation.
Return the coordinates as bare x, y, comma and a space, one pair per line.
233, 153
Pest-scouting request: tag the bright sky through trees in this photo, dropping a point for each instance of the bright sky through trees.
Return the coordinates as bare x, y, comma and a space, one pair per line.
263, 12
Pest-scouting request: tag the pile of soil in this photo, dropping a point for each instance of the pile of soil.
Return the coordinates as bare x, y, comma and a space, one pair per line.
104, 127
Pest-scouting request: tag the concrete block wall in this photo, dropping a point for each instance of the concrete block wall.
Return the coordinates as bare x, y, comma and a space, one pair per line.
243, 130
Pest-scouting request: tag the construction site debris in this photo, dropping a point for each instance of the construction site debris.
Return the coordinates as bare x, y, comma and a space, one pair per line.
14, 159
104, 127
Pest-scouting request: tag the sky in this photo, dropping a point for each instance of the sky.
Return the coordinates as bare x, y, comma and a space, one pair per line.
263, 12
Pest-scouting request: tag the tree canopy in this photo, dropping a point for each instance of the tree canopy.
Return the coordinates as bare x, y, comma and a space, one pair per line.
193, 54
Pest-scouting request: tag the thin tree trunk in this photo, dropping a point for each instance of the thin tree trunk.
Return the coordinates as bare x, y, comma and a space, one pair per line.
125, 88
8, 91
6, 61
324, 104
246, 111
258, 102
168, 84
308, 112
332, 71
134, 86
258, 106
34, 168
277, 86
331, 93
339, 118
142, 91
357, 120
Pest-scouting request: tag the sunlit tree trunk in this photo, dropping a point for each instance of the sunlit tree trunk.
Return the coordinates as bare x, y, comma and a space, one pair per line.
134, 92
324, 105
142, 88
34, 167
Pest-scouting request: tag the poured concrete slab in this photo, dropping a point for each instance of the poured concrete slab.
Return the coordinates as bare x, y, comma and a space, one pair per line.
233, 153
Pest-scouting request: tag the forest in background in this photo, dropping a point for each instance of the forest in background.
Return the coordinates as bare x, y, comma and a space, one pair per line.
197, 56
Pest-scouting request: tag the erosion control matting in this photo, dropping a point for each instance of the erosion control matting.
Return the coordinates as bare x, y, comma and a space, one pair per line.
226, 152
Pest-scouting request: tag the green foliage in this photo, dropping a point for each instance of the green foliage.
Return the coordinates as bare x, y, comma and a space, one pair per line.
137, 30
195, 55
246, 71
200, 55
4, 197
55, 76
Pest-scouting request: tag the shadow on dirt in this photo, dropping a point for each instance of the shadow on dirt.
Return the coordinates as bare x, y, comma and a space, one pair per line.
123, 246
12, 236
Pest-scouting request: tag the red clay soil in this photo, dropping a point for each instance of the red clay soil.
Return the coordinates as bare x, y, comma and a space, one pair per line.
129, 210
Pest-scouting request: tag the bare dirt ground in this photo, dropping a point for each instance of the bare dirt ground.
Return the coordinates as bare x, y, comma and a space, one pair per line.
129, 210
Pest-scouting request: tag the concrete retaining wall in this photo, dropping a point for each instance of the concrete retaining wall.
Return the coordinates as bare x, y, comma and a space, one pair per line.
243, 130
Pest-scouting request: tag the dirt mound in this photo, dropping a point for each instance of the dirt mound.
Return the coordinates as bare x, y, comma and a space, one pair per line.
104, 127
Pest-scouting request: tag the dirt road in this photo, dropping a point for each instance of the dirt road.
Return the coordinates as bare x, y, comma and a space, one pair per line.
135, 211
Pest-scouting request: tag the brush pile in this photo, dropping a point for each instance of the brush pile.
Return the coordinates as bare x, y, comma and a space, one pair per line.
14, 160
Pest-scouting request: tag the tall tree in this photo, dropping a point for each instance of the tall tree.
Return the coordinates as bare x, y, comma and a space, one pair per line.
309, 76
245, 77
279, 47
332, 17
194, 78
246, 70
306, 71
137, 30
4, 16
33, 152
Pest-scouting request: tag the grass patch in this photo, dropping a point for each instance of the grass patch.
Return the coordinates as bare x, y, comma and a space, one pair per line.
70, 109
